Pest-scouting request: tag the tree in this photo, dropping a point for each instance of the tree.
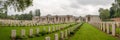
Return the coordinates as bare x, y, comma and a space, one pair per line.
104, 13
37, 12
18, 5
115, 9
112, 11
30, 15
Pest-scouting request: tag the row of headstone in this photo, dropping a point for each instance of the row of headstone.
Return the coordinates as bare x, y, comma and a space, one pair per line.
63, 34
106, 26
19, 23
56, 28
23, 32
55, 37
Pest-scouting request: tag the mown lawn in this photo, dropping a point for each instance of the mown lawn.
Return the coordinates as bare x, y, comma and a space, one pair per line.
87, 32
5, 32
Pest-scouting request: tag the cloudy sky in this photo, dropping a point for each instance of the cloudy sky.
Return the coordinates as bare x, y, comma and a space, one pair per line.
67, 7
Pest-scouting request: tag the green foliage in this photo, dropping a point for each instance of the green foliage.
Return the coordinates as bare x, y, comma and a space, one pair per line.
104, 13
37, 12
112, 13
3, 15
23, 16
18, 5
115, 9
26, 16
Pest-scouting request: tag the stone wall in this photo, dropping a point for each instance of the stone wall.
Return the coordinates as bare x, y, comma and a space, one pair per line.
57, 19
92, 18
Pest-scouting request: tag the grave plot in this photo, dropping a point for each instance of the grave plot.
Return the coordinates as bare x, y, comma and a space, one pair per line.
88, 32
6, 32
62, 34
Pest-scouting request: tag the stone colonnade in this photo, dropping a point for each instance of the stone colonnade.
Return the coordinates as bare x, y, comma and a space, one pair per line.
56, 19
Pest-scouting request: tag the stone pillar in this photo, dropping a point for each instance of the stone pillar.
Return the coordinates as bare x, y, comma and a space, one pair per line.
86, 19
23, 32
108, 29
59, 19
55, 19
47, 38
31, 32
37, 30
113, 29
56, 37
13, 33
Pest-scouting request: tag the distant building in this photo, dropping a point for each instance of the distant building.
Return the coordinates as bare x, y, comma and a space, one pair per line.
57, 19
92, 18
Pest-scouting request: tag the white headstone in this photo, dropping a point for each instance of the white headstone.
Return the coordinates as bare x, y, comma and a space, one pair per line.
47, 38
66, 33
31, 32
104, 26
113, 29
101, 26
61, 35
37, 30
13, 33
56, 37
22, 32
108, 29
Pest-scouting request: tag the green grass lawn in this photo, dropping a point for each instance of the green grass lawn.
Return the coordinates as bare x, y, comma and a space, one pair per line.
118, 31
5, 32
87, 32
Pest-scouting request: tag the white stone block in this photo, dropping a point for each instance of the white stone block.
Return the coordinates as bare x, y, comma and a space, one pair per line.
23, 32
13, 33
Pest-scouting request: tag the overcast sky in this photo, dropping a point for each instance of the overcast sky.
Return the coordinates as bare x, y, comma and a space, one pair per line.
67, 7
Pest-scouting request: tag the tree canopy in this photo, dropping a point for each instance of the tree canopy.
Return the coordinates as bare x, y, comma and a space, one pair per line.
104, 13
112, 13
115, 9
18, 5
37, 12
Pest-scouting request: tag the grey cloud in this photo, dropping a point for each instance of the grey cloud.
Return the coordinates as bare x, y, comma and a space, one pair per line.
77, 3
94, 2
73, 5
